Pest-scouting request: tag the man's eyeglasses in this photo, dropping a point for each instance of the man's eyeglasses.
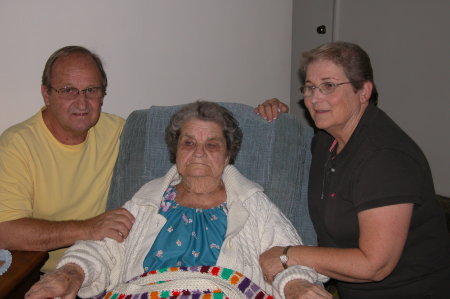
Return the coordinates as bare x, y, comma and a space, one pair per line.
325, 88
70, 93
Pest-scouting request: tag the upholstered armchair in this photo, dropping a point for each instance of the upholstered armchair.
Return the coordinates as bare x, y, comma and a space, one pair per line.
276, 155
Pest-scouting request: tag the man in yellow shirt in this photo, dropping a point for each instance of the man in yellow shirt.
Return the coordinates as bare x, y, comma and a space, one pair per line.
56, 167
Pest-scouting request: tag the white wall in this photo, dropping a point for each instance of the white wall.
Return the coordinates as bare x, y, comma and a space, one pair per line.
156, 52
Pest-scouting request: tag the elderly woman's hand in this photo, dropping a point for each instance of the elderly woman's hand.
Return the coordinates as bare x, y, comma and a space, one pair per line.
64, 283
270, 109
299, 288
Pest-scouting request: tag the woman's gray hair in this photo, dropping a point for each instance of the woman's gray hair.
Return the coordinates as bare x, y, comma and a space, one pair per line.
66, 51
206, 111
351, 57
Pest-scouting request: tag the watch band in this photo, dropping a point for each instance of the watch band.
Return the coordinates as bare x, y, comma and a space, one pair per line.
284, 257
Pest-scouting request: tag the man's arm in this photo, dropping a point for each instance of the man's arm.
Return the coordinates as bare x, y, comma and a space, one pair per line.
42, 235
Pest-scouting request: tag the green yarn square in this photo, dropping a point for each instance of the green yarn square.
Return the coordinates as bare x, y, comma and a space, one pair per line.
226, 273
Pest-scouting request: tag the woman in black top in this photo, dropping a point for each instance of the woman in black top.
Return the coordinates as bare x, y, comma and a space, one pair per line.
381, 231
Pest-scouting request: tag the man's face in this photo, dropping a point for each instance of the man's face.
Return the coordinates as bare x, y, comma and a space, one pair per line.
70, 118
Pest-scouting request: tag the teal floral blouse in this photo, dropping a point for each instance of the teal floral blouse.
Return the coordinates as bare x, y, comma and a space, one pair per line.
190, 237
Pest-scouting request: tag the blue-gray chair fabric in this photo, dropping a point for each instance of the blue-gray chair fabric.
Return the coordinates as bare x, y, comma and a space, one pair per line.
276, 155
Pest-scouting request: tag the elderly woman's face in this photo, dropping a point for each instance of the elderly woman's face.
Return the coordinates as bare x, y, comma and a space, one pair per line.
338, 110
201, 149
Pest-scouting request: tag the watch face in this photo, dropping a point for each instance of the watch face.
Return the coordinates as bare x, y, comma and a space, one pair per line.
284, 259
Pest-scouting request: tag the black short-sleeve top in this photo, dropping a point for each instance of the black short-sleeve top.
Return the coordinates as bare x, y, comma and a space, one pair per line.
379, 166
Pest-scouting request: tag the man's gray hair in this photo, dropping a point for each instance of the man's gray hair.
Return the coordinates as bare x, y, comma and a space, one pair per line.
66, 51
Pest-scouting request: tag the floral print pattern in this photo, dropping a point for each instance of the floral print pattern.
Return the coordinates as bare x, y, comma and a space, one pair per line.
190, 237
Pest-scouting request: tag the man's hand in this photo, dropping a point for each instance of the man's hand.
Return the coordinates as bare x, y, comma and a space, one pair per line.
270, 263
64, 283
115, 224
270, 109
299, 288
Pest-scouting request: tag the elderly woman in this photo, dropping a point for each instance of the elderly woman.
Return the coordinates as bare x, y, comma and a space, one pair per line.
381, 232
202, 212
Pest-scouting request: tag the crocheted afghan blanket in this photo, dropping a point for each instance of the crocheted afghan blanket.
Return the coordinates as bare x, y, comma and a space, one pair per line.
199, 282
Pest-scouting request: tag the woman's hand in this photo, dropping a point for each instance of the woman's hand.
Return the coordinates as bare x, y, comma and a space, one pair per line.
64, 283
270, 109
303, 289
270, 263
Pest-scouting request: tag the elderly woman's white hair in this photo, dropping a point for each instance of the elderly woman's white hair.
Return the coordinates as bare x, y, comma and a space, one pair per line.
207, 111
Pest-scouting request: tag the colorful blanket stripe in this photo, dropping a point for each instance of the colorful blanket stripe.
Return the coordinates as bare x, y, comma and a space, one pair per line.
249, 289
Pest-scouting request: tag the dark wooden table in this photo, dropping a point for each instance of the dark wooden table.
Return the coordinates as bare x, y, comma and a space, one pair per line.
22, 274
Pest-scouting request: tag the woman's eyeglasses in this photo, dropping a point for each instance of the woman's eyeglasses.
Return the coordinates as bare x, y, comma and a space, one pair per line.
324, 88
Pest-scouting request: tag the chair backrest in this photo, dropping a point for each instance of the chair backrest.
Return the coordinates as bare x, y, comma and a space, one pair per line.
276, 155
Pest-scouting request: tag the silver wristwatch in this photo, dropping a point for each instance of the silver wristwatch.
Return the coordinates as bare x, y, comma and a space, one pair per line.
284, 257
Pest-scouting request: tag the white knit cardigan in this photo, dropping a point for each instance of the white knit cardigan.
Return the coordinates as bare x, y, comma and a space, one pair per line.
254, 224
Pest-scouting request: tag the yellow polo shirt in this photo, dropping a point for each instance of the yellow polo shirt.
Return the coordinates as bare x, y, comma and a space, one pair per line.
45, 179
